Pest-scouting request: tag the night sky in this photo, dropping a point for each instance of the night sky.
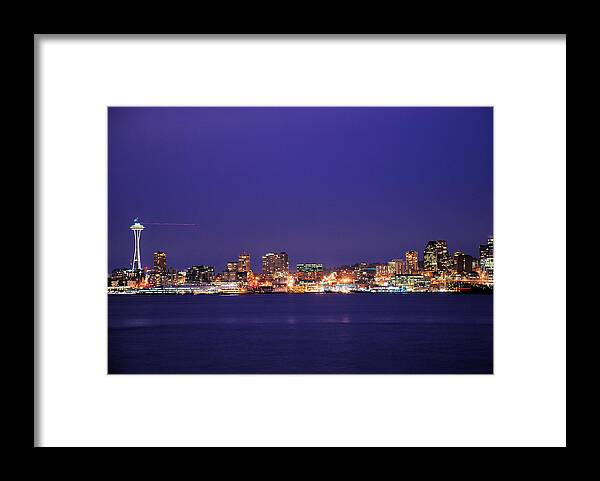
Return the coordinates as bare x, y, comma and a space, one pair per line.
331, 185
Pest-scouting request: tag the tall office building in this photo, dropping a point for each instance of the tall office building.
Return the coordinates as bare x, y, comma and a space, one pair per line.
412, 262
483, 252
486, 258
430, 257
244, 262
436, 257
455, 258
160, 262
486, 251
444, 260
276, 264
463, 263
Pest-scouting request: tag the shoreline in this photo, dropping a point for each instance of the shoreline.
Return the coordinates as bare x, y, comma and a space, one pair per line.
484, 291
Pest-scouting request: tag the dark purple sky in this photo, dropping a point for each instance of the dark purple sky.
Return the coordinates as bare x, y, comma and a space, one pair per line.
331, 185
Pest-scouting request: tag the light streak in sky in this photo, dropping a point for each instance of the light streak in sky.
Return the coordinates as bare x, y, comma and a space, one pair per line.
169, 223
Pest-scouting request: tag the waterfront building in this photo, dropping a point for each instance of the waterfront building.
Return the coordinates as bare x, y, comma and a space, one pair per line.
411, 282
230, 288
242, 277
381, 270
313, 287
200, 274
345, 275
230, 273
412, 262
156, 279
364, 274
127, 278
391, 267
309, 272
280, 283
310, 267
160, 262
118, 277
396, 266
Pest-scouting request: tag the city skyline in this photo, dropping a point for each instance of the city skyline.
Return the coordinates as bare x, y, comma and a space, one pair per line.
329, 185
440, 270
244, 259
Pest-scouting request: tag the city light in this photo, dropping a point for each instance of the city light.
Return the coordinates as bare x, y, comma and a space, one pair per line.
438, 271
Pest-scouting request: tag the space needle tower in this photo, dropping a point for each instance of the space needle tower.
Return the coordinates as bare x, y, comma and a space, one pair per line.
137, 229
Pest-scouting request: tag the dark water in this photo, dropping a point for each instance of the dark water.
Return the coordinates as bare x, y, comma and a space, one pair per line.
312, 333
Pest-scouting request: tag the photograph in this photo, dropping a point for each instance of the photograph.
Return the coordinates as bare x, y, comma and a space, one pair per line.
300, 240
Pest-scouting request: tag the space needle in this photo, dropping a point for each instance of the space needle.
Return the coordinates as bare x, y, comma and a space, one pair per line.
137, 229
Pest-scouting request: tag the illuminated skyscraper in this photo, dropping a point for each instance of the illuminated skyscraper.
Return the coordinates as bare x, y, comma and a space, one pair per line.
456, 260
486, 258
412, 262
430, 257
482, 255
436, 257
137, 228
160, 262
276, 264
444, 260
244, 263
